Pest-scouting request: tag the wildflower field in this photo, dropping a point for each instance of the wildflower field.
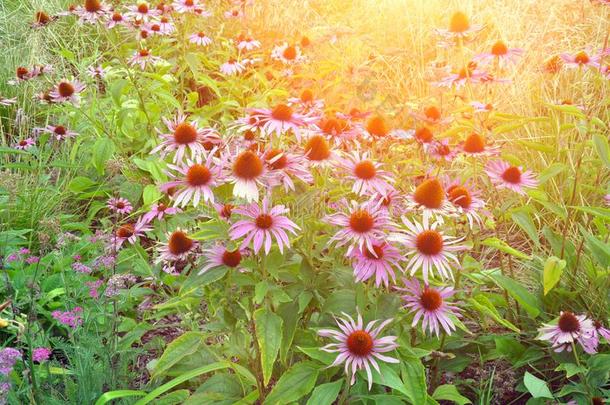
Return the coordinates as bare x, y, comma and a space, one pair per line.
304, 202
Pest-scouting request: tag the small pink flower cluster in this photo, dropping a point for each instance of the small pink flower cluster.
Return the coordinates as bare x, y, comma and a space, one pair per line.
71, 318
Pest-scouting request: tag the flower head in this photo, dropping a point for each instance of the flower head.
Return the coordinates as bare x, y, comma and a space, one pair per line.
379, 262
119, 205
569, 328
247, 171
219, 255
280, 120
514, 178
178, 247
367, 175
67, 91
183, 136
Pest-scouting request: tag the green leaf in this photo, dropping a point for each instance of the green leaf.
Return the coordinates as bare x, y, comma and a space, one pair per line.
523, 219
317, 354
527, 300
553, 268
325, 394
504, 247
103, 149
603, 150
571, 369
536, 386
414, 378
482, 304
603, 213
449, 392
177, 350
297, 382
269, 328
151, 194
112, 395
387, 377
599, 249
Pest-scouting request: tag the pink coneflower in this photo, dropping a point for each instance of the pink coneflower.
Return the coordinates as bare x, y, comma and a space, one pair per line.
287, 54
156, 28
91, 11
7, 101
501, 53
570, 328
59, 132
247, 44
392, 202
185, 6
232, 67
366, 174
476, 145
463, 76
234, 13
280, 120
607, 199
41, 354
378, 262
503, 175
579, 60
362, 226
143, 58
283, 166
119, 205
431, 115
338, 130
159, 211
200, 38
459, 27
429, 198
224, 211
194, 180
166, 26
67, 91
466, 201
429, 248
481, 107
184, 136
142, 12
440, 150
219, 255
179, 247
602, 331
306, 103
24, 144
247, 172
96, 72
264, 224
116, 19
129, 232
359, 347
429, 304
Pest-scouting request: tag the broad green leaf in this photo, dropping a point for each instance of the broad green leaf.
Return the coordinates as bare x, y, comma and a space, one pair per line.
603, 150
294, 384
178, 349
523, 219
553, 268
269, 328
317, 354
414, 378
603, 213
448, 392
526, 299
482, 304
325, 394
112, 395
571, 369
103, 149
387, 377
536, 386
151, 194
600, 250
504, 247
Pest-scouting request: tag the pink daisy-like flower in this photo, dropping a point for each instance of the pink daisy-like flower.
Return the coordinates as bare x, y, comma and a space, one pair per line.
362, 226
24, 144
280, 120
378, 262
461, 77
431, 115
287, 54
232, 67
247, 172
306, 103
200, 38
142, 12
459, 27
392, 202
184, 136
440, 150
263, 225
7, 101
96, 72
67, 91
282, 166
185, 6
92, 11
514, 178
224, 211
195, 180
359, 347
429, 249
245, 43
143, 58
366, 174
429, 198
607, 199
429, 304
481, 107
579, 60
602, 331
218, 255
501, 53
234, 13
466, 200
336, 129
159, 211
476, 145
129, 232
59, 132
179, 247
570, 328
119, 205
117, 19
